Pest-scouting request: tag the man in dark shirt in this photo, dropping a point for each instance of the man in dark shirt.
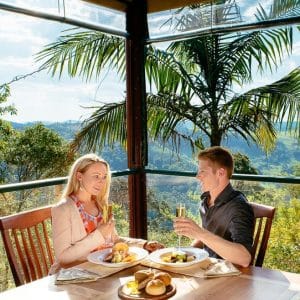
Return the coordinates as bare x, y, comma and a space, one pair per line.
227, 217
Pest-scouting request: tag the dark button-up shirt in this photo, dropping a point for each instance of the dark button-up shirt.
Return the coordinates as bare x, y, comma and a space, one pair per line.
231, 217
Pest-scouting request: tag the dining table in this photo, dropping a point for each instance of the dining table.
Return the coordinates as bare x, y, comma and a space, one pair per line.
252, 283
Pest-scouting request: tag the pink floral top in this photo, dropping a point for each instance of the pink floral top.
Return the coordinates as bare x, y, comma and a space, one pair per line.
90, 222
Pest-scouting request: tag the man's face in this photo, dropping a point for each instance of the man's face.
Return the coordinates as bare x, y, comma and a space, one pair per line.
207, 176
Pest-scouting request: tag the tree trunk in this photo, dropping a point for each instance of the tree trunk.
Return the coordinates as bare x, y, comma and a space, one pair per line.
215, 139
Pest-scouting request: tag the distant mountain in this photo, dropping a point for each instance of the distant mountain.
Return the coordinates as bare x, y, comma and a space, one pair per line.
279, 162
67, 129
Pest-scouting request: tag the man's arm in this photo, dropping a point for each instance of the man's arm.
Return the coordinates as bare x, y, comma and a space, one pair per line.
234, 252
197, 244
231, 251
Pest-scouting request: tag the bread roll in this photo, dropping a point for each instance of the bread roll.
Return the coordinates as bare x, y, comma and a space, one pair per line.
164, 277
141, 275
144, 283
155, 287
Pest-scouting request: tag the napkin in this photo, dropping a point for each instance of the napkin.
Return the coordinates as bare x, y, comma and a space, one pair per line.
75, 275
219, 267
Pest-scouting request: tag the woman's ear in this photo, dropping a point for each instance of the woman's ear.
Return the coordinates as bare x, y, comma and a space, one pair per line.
79, 176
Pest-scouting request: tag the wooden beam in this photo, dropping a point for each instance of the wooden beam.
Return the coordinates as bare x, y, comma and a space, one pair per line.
112, 4
152, 5
136, 119
160, 5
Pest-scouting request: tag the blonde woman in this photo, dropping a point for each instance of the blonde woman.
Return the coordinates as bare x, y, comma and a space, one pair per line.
78, 227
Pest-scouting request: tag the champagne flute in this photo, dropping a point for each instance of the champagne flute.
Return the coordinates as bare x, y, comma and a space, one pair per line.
180, 212
107, 213
109, 209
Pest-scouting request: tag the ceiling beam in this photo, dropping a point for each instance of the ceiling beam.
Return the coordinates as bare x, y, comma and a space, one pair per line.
152, 5
159, 5
113, 4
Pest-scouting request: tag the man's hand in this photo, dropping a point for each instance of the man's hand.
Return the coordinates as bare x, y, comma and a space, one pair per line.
188, 228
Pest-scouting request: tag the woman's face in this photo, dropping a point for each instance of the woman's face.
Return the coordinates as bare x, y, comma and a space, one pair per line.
93, 180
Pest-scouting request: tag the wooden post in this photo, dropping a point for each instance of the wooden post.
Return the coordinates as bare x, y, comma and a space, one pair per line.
136, 23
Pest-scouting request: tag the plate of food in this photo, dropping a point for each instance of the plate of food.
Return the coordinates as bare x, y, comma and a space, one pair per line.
148, 284
174, 257
119, 255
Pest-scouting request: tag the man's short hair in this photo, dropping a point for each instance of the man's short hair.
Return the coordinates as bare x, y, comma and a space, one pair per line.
218, 156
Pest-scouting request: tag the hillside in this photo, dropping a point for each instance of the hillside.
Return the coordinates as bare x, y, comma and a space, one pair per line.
279, 162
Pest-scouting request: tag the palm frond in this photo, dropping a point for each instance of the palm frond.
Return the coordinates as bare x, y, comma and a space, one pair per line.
283, 8
166, 73
105, 127
83, 53
282, 98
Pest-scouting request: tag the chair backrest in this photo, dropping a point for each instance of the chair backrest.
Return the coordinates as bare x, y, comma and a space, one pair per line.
26, 241
263, 222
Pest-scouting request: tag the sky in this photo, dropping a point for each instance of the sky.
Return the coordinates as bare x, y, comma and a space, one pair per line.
41, 97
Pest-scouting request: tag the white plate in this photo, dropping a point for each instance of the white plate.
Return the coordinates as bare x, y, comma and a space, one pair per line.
200, 255
97, 257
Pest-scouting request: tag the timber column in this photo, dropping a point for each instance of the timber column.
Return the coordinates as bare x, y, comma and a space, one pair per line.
136, 114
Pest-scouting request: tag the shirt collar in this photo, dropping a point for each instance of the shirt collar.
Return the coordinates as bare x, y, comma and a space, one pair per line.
221, 199
204, 201
224, 195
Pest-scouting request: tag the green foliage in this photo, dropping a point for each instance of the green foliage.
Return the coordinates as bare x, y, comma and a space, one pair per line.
4, 94
32, 154
284, 246
5, 127
284, 243
121, 216
37, 153
242, 164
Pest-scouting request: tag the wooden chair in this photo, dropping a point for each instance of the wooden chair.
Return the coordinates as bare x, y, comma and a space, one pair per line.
27, 245
264, 217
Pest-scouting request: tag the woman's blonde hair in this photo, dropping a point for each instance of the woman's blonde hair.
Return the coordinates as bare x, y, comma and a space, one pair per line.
81, 165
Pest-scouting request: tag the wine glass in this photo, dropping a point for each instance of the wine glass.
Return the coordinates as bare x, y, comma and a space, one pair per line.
180, 212
107, 214
109, 209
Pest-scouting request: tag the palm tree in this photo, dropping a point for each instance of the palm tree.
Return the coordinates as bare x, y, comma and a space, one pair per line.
194, 84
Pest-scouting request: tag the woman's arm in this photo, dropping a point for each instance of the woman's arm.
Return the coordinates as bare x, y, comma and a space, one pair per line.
70, 241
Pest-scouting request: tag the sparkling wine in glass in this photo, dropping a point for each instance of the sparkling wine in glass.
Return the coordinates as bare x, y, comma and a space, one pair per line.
109, 210
108, 214
180, 212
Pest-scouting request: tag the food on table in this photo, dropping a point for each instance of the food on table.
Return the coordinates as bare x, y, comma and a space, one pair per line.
148, 281
131, 288
164, 277
177, 257
155, 287
120, 253
143, 277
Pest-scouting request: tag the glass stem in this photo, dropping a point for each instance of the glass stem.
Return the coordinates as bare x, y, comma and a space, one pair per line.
179, 242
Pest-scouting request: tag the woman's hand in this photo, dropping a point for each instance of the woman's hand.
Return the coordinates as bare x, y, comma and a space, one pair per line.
107, 229
152, 246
